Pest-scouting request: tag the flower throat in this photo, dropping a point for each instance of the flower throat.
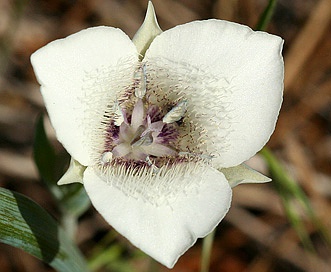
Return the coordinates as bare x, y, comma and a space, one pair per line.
140, 132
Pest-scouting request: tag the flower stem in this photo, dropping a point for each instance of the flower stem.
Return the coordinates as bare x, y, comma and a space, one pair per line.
206, 251
153, 265
69, 222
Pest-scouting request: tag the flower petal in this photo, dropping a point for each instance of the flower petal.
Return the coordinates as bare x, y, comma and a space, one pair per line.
243, 174
164, 231
232, 79
80, 77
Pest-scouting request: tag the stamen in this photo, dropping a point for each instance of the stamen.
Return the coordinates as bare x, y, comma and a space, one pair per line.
106, 157
176, 113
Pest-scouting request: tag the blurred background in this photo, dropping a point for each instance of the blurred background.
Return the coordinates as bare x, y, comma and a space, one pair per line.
270, 227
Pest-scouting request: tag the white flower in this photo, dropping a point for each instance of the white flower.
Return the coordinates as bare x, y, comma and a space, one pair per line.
158, 137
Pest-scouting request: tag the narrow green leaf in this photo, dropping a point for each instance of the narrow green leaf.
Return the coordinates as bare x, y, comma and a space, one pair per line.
290, 194
107, 256
45, 158
71, 199
75, 199
44, 153
266, 15
25, 225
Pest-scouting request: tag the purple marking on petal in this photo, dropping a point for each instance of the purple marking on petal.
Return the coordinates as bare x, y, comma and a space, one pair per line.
154, 113
168, 134
112, 135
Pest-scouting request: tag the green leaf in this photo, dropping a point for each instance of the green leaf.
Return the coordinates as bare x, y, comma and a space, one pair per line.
266, 16
75, 200
108, 255
44, 154
291, 194
45, 158
25, 225
72, 200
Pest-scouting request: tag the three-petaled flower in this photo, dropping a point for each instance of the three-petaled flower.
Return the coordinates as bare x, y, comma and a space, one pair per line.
158, 128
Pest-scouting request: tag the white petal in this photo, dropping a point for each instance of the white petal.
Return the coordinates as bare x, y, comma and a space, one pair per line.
232, 79
164, 231
80, 77
243, 174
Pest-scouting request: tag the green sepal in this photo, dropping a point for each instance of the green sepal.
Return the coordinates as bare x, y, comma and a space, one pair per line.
147, 31
243, 174
73, 174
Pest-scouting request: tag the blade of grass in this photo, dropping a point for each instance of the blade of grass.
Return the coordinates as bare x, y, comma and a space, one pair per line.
290, 192
45, 158
266, 16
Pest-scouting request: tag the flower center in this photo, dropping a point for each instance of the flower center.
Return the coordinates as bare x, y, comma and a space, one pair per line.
145, 134
151, 139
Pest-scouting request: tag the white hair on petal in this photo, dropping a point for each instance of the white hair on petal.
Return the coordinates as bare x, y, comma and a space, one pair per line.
107, 87
155, 187
208, 103
185, 96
